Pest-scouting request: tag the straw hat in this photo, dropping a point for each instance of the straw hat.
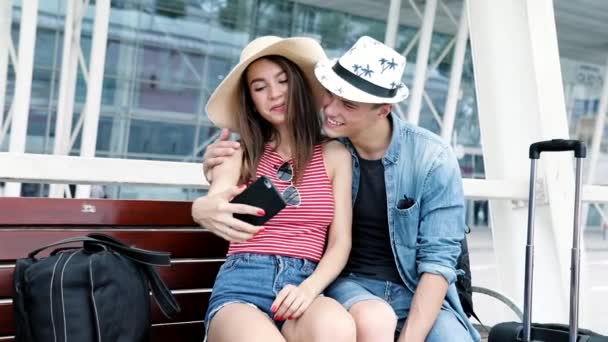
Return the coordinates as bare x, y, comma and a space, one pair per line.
369, 72
223, 104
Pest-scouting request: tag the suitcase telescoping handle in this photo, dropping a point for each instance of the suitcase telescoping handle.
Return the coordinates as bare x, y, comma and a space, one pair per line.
580, 152
558, 145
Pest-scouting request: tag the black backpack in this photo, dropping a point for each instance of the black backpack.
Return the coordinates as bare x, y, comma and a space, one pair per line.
99, 292
464, 281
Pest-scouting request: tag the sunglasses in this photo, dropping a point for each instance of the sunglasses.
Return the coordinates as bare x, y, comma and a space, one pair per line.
291, 195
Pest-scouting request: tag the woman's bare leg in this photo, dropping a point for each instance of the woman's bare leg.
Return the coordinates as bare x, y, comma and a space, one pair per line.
241, 322
324, 321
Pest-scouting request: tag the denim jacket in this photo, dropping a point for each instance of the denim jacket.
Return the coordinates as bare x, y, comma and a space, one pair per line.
425, 235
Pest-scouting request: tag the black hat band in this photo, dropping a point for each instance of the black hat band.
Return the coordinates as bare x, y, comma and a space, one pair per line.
363, 84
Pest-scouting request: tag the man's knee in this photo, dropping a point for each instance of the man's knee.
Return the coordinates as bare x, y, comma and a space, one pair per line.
339, 327
373, 317
448, 327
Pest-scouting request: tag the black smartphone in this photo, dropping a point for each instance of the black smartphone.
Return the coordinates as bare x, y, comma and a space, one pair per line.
262, 194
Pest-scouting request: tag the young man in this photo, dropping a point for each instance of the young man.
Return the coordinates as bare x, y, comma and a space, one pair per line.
408, 204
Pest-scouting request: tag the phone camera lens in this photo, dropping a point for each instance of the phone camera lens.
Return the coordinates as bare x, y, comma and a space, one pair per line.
267, 183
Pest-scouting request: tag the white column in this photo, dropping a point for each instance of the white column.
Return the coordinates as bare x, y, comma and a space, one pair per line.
392, 23
598, 132
67, 85
95, 86
5, 37
126, 66
23, 84
520, 100
460, 49
422, 58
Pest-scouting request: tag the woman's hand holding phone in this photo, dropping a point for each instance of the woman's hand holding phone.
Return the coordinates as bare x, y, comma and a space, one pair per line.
215, 212
260, 193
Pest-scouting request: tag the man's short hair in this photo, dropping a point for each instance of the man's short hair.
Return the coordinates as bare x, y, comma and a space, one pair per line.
377, 105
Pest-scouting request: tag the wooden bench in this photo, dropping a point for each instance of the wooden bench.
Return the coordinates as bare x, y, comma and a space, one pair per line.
28, 223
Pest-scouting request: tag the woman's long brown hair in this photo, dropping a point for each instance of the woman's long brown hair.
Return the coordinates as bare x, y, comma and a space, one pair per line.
302, 118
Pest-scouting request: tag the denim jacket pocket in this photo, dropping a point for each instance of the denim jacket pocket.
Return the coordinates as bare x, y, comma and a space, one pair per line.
413, 210
405, 225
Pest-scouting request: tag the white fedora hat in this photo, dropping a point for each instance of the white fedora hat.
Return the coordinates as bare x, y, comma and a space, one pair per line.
223, 104
369, 72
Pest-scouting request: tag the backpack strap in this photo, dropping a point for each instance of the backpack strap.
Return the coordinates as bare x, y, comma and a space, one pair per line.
143, 257
139, 255
161, 293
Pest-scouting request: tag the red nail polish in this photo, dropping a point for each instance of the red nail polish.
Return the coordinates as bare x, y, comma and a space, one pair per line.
261, 213
274, 308
278, 318
290, 318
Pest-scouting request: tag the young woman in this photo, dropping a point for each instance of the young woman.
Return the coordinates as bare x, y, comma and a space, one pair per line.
270, 285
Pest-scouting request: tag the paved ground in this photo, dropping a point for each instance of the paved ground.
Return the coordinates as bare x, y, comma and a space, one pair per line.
483, 268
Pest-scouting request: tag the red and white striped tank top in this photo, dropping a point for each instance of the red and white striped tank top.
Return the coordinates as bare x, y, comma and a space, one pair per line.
295, 231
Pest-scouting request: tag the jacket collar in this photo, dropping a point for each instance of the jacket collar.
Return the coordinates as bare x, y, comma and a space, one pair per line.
394, 148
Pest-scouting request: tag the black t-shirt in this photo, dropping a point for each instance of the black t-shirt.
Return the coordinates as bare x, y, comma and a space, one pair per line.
371, 253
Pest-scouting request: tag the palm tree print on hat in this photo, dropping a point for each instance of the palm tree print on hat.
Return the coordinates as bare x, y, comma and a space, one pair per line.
386, 64
361, 71
366, 72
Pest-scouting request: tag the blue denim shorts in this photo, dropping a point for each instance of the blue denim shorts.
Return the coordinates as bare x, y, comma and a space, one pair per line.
354, 288
255, 279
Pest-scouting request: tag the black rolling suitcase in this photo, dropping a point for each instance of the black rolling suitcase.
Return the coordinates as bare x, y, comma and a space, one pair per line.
526, 331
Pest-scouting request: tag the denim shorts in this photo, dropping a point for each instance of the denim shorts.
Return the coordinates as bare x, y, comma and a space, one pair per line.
353, 288
255, 279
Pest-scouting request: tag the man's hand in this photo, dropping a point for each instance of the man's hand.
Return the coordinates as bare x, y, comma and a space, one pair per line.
217, 152
425, 308
214, 212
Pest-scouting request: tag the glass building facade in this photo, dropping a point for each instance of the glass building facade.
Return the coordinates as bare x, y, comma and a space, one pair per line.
165, 57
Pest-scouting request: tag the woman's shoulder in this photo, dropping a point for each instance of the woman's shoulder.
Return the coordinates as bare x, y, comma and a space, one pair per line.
336, 157
334, 148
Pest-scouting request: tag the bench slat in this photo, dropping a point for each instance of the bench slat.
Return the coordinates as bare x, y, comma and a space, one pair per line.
7, 321
6, 282
16, 244
181, 276
184, 332
193, 305
200, 275
60, 211
187, 332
